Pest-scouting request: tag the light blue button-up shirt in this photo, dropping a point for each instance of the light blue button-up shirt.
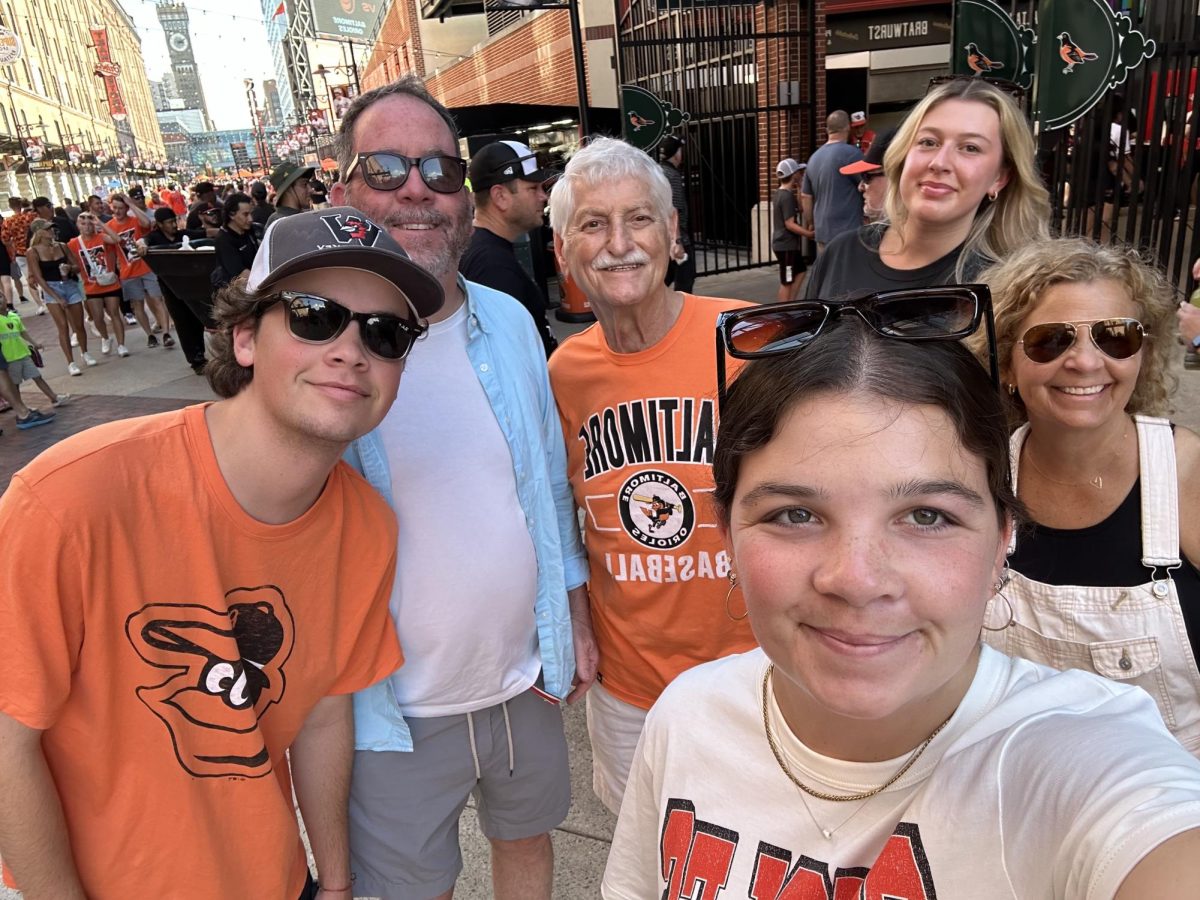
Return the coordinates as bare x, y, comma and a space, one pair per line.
510, 363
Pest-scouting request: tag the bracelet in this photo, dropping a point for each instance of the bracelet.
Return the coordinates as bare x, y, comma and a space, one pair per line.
341, 890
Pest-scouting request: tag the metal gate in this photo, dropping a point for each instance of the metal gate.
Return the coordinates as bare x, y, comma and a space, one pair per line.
745, 74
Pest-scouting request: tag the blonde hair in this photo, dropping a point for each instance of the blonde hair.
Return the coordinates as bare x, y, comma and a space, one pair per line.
1021, 211
1020, 280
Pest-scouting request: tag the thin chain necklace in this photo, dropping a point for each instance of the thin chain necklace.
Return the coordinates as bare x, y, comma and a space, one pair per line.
1097, 482
837, 798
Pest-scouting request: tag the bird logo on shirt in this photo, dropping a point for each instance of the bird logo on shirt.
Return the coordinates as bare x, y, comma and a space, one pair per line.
1072, 54
978, 61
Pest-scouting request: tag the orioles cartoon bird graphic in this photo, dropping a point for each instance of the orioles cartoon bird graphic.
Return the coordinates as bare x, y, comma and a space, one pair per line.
355, 228
1072, 54
979, 62
639, 122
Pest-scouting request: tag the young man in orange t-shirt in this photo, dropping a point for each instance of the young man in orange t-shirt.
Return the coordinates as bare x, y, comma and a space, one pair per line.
96, 255
222, 604
129, 225
635, 394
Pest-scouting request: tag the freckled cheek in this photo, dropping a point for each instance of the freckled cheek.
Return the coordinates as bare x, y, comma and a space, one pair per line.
773, 578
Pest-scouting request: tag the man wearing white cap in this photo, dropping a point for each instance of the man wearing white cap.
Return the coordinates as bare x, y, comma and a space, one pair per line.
509, 202
158, 702
860, 136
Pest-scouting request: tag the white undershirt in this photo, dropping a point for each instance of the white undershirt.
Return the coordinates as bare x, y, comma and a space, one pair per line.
466, 569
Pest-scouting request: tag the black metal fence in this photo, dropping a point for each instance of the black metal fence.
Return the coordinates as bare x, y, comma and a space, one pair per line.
742, 72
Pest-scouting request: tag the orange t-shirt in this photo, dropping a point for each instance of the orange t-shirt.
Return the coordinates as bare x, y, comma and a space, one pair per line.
640, 430
101, 257
171, 647
128, 230
15, 231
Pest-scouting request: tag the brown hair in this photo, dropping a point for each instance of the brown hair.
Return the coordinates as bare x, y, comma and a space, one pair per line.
850, 358
233, 306
1019, 281
408, 86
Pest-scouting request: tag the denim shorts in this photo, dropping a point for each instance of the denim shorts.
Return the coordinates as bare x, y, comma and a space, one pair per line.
68, 290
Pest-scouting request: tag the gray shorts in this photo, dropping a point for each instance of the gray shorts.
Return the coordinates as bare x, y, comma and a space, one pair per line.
404, 807
23, 370
141, 287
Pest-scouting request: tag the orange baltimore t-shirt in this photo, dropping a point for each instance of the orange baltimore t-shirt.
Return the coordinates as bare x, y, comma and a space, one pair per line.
640, 430
171, 647
95, 256
128, 230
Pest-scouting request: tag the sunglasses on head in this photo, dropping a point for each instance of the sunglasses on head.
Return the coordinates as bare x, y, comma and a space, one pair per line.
1116, 338
318, 320
916, 314
1011, 88
384, 170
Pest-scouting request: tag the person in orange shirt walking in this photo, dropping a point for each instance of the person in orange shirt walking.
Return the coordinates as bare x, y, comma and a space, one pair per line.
96, 256
129, 225
160, 698
635, 396
14, 232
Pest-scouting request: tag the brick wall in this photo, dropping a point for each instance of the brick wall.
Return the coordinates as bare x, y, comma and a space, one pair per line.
398, 49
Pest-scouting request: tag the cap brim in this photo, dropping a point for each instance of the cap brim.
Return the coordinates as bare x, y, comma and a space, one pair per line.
422, 289
857, 167
288, 182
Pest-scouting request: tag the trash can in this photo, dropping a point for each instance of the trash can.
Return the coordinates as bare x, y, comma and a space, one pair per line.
575, 306
188, 273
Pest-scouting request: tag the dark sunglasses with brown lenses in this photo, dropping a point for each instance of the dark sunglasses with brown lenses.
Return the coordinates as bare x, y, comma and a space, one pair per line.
918, 314
1118, 338
386, 170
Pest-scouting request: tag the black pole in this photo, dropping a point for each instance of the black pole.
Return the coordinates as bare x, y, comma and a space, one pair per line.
354, 69
580, 74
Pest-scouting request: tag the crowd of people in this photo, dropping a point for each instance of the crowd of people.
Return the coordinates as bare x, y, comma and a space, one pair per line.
893, 595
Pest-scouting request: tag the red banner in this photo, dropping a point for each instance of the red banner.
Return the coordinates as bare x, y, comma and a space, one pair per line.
108, 69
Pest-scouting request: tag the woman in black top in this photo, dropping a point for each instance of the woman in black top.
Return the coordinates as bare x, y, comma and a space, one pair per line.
1106, 577
963, 190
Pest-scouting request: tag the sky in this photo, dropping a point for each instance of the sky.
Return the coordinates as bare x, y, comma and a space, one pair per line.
230, 44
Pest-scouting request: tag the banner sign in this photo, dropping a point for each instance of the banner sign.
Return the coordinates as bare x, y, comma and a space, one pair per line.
317, 121
348, 18
10, 47
340, 98
108, 69
645, 119
1084, 50
883, 30
74, 155
988, 42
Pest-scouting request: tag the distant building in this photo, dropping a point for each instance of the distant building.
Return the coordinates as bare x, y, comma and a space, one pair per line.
271, 103
173, 16
164, 93
276, 28
190, 121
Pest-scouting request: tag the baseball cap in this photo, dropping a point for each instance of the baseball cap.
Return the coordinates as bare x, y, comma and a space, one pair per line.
789, 167
284, 175
670, 146
340, 237
137, 192
203, 187
503, 161
858, 118
164, 214
874, 158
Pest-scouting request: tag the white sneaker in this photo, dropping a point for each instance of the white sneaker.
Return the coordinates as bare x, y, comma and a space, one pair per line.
121, 351
74, 369
88, 360
105, 345
130, 320
92, 328
63, 399
74, 339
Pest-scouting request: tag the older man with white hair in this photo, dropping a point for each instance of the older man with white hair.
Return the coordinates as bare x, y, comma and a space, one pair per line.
635, 396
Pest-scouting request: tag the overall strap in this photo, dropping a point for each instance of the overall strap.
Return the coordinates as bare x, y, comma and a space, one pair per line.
1160, 493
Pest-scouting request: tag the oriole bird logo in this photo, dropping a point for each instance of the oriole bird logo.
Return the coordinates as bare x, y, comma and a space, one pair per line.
1072, 54
639, 122
979, 62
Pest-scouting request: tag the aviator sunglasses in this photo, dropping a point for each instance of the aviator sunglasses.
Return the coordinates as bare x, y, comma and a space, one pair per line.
1118, 338
917, 314
384, 170
317, 320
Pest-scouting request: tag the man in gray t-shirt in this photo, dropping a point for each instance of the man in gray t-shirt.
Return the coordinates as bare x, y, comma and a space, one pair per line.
830, 200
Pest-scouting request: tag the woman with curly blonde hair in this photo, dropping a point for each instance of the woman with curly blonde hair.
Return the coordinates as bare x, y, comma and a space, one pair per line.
963, 192
1105, 577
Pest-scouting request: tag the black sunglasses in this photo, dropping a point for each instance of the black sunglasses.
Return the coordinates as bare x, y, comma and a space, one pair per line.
318, 320
868, 177
1011, 88
1119, 338
384, 170
917, 314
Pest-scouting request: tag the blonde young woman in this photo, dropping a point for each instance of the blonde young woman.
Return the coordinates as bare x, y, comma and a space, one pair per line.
1104, 578
963, 192
53, 270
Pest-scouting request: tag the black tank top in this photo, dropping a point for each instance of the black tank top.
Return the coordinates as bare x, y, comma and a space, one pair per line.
50, 268
1108, 554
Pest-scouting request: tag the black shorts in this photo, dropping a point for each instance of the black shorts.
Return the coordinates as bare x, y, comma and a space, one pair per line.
793, 260
102, 297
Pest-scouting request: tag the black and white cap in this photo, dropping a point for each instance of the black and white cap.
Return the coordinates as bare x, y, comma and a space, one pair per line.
503, 161
340, 237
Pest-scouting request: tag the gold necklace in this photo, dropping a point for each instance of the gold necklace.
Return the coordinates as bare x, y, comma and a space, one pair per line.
1097, 482
837, 798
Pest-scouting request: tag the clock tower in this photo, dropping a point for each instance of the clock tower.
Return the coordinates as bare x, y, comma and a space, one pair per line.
173, 16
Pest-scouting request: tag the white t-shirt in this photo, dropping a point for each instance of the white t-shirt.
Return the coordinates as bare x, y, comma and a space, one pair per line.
1044, 784
466, 568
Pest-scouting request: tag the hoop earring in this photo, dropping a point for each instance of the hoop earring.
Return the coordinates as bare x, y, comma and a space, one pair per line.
998, 589
733, 583
992, 195
1012, 389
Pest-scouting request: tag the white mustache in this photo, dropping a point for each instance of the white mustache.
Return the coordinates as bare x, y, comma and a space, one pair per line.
635, 258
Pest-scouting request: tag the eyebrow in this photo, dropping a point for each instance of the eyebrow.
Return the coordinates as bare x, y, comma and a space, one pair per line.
972, 135
925, 488
780, 489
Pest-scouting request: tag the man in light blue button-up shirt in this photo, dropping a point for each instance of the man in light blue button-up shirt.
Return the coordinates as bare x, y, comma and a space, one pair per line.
490, 564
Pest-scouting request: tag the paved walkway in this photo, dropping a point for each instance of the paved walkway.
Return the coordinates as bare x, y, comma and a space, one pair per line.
155, 380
